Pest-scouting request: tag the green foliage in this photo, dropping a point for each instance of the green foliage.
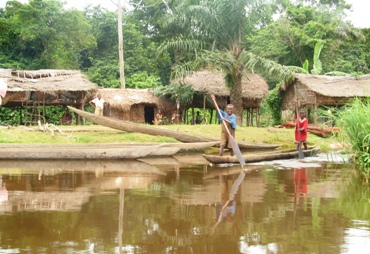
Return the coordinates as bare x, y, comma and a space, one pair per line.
354, 123
17, 116
105, 72
176, 92
42, 35
142, 80
274, 101
301, 30
305, 65
317, 65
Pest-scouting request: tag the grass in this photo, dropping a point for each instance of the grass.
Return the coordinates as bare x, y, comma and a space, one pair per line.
98, 134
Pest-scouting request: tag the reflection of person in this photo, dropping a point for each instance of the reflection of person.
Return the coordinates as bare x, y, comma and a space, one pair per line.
198, 118
98, 104
230, 121
3, 193
300, 181
301, 127
158, 118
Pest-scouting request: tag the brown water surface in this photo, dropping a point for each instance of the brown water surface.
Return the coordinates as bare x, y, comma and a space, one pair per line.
174, 206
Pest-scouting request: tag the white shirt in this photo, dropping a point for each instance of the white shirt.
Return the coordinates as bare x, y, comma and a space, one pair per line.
98, 103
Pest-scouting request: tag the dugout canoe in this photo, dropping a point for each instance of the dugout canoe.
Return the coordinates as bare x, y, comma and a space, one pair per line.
261, 156
136, 127
77, 152
97, 151
158, 131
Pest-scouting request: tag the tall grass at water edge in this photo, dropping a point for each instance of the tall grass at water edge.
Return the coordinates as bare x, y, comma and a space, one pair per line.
354, 121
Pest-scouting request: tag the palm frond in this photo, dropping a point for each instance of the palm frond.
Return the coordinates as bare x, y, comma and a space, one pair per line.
180, 43
268, 67
298, 69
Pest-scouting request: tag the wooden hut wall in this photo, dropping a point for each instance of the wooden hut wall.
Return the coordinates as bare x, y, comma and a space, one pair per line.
332, 101
117, 113
137, 113
306, 98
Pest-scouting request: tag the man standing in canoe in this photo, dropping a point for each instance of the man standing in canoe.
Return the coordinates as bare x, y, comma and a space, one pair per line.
98, 104
301, 126
230, 121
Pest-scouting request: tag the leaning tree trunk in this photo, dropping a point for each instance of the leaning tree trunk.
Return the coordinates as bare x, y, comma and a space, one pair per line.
236, 98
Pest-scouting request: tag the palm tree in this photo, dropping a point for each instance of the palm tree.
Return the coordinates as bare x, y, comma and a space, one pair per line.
212, 37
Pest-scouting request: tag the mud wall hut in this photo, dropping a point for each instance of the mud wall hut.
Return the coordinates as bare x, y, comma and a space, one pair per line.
39, 88
135, 105
314, 91
255, 89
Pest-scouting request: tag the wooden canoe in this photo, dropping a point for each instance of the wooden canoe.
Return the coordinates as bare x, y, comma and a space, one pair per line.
262, 156
76, 152
97, 151
136, 127
157, 131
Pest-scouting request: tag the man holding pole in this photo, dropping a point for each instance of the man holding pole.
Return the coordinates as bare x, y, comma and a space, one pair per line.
229, 120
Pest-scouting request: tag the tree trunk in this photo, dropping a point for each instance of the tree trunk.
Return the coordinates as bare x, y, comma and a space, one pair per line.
236, 98
120, 47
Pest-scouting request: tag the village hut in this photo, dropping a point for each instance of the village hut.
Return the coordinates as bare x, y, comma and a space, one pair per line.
38, 88
315, 91
135, 105
255, 89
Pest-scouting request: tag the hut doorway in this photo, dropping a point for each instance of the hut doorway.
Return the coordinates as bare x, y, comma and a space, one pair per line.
149, 114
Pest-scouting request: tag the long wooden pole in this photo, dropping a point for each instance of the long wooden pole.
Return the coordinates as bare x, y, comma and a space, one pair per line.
232, 140
120, 47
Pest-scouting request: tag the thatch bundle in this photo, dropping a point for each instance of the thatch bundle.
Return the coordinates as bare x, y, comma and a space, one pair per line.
334, 86
313, 91
254, 86
46, 80
48, 87
123, 99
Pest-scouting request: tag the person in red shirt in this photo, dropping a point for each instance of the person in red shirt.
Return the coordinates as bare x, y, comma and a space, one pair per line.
301, 126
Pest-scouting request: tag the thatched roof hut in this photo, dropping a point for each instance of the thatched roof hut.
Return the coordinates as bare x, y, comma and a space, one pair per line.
314, 91
46, 87
136, 105
255, 88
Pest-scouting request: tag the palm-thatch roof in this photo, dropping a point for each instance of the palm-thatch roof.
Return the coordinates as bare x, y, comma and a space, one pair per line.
254, 86
334, 86
123, 99
47, 81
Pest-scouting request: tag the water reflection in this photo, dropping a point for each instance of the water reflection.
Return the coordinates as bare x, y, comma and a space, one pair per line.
226, 209
174, 207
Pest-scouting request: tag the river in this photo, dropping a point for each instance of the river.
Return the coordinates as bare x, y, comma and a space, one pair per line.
183, 205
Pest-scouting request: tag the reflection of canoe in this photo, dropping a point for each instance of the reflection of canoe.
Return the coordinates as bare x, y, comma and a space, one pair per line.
98, 151
52, 167
262, 156
214, 172
155, 130
76, 152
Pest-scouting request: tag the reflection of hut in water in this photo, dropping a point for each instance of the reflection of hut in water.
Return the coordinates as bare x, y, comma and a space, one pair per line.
54, 186
135, 105
33, 90
314, 91
254, 90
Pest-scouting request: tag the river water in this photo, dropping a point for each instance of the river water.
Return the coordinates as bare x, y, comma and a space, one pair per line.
183, 205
